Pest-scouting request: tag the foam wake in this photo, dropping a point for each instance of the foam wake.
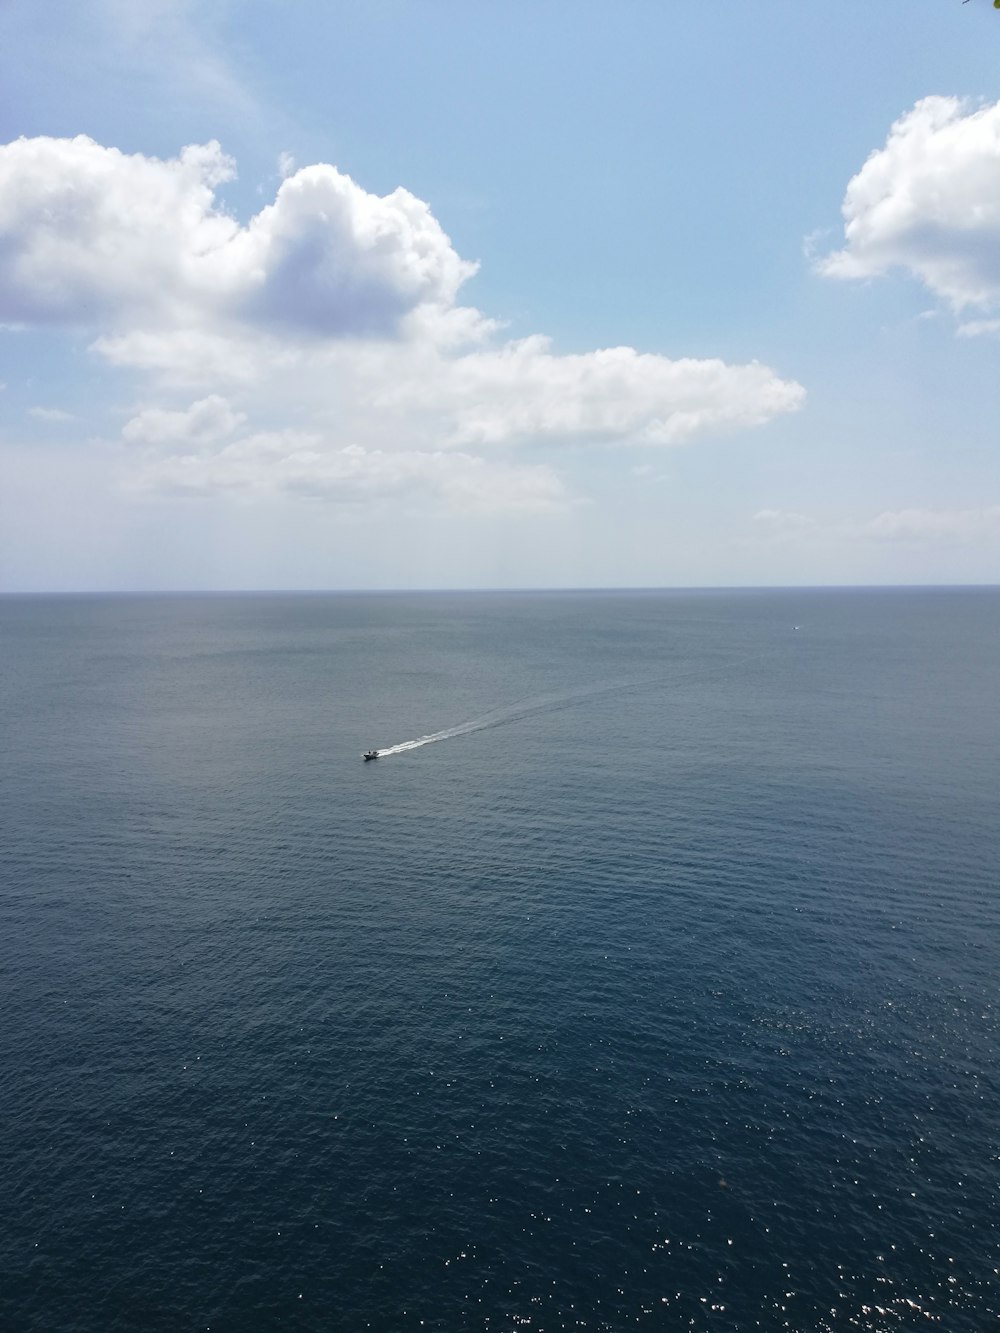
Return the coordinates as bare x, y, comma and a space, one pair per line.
549, 703
445, 735
502, 717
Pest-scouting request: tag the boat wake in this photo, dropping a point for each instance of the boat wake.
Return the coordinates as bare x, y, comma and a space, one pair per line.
549, 703
502, 717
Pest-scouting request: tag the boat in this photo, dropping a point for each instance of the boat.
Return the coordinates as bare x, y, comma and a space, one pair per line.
370, 754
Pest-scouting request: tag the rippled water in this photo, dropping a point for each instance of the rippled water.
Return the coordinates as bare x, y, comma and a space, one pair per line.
664, 994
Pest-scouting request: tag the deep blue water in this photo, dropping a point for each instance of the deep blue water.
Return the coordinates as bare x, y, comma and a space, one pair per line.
669, 996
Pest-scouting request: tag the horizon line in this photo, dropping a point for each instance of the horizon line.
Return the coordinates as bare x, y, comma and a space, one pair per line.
496, 589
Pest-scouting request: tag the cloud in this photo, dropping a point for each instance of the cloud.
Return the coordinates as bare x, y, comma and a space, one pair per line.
513, 395
171, 42
203, 423
54, 416
784, 527
936, 525
91, 236
312, 467
327, 324
326, 256
785, 520
910, 526
524, 391
978, 328
929, 202
193, 356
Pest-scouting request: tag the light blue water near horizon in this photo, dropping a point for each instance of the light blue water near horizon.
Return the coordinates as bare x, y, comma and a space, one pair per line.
664, 994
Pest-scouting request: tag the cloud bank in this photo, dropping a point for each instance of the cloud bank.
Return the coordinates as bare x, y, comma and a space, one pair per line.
325, 336
312, 467
928, 202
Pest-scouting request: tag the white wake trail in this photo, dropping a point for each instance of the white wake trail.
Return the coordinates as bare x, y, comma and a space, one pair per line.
550, 703
403, 746
500, 717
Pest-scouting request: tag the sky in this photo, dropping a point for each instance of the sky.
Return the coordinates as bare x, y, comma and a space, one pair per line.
319, 295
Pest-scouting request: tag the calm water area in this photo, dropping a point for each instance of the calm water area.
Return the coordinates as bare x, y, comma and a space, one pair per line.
658, 986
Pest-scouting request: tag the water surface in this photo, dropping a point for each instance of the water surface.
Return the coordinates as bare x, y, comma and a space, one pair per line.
664, 994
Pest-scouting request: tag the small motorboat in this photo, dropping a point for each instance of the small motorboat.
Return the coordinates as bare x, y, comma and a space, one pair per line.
370, 754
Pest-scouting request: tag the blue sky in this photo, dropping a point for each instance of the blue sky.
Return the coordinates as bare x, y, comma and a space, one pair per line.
275, 362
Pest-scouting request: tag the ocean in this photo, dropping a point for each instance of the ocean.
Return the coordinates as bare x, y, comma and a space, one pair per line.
658, 986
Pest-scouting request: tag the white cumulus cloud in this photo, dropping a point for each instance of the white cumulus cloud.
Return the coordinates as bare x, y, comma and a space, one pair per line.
91, 236
929, 202
327, 256
203, 423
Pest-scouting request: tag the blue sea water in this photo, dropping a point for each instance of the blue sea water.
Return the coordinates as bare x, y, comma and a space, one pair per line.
666, 994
